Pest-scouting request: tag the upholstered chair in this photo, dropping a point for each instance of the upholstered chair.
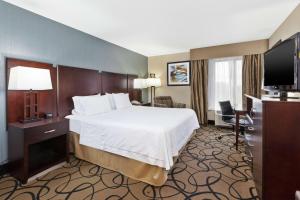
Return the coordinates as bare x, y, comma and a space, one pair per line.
167, 102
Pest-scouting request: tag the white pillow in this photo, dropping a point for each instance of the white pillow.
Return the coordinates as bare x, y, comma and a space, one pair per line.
111, 101
95, 105
121, 101
74, 112
77, 106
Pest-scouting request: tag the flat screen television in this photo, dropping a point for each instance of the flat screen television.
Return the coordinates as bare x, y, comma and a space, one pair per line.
281, 66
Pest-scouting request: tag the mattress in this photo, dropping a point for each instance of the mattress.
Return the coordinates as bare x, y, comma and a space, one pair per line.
147, 134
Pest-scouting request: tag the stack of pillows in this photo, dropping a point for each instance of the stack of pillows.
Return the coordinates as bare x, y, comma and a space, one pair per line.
97, 104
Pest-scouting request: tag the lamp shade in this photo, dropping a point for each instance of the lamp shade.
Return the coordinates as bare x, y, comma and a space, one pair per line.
29, 78
139, 83
153, 82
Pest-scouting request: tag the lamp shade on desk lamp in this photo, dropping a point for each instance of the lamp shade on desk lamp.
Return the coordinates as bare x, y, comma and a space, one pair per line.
153, 82
29, 78
139, 83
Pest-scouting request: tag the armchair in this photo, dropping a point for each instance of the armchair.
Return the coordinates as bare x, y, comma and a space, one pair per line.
167, 102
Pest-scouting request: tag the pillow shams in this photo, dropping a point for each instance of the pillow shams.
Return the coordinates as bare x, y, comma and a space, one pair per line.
111, 101
76, 101
94, 105
121, 101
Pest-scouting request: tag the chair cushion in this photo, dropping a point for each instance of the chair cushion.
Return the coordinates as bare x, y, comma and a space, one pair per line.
242, 122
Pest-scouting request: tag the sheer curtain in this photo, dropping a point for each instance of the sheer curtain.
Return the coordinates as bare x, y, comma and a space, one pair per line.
225, 82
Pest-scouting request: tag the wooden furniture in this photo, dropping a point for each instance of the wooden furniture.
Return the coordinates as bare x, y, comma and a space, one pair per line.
274, 143
34, 147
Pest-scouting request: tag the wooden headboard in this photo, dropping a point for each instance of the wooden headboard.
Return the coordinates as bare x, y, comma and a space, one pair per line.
74, 81
113, 82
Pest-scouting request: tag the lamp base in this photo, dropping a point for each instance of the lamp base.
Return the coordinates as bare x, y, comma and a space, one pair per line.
31, 107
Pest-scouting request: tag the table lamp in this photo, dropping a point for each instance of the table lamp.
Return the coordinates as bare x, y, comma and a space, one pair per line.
139, 83
30, 80
153, 82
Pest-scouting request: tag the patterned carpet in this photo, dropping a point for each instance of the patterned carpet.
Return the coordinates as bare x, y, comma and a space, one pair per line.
207, 169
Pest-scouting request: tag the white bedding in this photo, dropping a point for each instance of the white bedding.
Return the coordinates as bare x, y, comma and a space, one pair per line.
147, 134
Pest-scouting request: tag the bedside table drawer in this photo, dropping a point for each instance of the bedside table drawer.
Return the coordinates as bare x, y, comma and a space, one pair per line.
37, 134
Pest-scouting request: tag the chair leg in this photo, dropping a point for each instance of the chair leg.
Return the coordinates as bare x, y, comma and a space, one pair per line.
237, 133
233, 129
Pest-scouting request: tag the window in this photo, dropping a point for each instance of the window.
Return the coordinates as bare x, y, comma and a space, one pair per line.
225, 82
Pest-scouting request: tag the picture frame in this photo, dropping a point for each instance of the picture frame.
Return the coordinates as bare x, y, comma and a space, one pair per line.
179, 73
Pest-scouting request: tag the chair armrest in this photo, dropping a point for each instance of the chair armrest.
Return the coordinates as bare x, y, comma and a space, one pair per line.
160, 105
179, 105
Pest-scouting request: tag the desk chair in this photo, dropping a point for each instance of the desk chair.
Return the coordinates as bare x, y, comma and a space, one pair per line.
229, 117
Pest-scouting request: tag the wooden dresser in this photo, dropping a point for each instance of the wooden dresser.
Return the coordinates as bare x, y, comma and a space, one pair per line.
274, 143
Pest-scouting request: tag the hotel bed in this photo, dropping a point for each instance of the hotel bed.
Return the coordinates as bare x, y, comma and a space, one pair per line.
139, 142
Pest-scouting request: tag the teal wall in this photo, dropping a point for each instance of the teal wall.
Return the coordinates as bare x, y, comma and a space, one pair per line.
29, 36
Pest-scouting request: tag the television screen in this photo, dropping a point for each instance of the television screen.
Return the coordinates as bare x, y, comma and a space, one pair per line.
279, 64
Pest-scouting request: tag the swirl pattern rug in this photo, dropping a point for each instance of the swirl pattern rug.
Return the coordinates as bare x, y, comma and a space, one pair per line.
208, 168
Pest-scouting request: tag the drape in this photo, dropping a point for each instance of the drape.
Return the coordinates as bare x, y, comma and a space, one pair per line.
252, 75
199, 82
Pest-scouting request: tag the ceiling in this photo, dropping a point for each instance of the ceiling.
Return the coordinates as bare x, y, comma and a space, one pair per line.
157, 27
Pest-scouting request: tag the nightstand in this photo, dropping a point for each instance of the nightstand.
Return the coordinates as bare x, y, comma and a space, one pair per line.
34, 147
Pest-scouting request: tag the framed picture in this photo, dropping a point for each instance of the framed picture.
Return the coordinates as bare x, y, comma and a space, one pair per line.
179, 73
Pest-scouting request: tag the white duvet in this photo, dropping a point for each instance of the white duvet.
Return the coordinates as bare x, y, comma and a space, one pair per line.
147, 134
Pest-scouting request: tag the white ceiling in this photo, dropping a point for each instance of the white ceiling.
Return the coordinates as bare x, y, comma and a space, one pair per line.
156, 27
